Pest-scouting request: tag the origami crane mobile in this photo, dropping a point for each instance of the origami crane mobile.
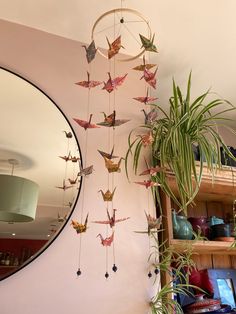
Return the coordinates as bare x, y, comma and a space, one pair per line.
111, 121
107, 241
86, 124
90, 51
114, 47
111, 166
149, 77
85, 171
107, 155
151, 116
144, 66
79, 227
108, 195
112, 84
89, 84
147, 139
148, 183
64, 187
68, 134
147, 44
111, 219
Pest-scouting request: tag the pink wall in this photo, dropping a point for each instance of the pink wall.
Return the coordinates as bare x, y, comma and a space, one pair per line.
49, 284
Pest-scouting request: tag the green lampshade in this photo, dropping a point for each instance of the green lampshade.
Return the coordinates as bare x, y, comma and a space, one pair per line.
18, 199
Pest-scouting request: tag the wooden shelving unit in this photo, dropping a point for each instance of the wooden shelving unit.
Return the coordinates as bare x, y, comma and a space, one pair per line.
215, 198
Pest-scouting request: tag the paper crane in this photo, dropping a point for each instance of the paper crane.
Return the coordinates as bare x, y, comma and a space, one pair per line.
66, 158
88, 84
74, 158
153, 223
147, 139
80, 228
90, 51
111, 121
61, 218
111, 166
151, 116
64, 187
145, 99
85, 171
68, 134
144, 66
148, 183
147, 44
114, 47
73, 181
111, 219
152, 171
112, 84
86, 124
107, 155
149, 77
108, 195
107, 241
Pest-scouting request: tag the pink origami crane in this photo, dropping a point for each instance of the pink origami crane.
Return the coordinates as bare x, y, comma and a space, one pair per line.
112, 84
150, 77
107, 241
145, 100
88, 84
147, 139
148, 183
111, 219
114, 47
86, 124
153, 171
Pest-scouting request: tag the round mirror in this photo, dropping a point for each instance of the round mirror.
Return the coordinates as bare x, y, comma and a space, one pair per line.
39, 165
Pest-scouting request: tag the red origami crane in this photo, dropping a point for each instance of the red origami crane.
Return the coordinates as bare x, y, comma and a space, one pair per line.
88, 84
148, 183
111, 219
145, 99
112, 84
86, 124
152, 171
114, 47
107, 241
150, 77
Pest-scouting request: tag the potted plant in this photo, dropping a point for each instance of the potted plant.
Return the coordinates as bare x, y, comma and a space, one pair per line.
173, 136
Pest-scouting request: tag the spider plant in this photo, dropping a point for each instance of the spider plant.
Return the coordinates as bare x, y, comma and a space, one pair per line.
185, 124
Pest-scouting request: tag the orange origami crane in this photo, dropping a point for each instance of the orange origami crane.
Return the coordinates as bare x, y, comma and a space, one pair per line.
114, 47
79, 227
108, 195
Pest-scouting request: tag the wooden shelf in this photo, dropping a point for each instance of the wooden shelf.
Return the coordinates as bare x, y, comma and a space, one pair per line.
204, 247
222, 189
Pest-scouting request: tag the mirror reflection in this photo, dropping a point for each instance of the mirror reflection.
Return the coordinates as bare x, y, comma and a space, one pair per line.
39, 163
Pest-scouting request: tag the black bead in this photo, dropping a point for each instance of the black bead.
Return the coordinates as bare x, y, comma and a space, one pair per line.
106, 275
149, 274
156, 271
79, 272
122, 20
114, 268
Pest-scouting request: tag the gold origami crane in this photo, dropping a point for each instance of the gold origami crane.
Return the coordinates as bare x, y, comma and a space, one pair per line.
108, 195
79, 227
111, 165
